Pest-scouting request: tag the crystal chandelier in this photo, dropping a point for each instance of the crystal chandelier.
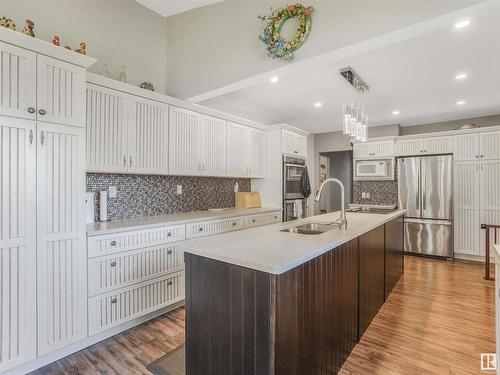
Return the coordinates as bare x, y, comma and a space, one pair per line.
354, 118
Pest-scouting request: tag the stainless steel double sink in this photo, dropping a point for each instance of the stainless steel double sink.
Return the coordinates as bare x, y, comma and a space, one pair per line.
311, 228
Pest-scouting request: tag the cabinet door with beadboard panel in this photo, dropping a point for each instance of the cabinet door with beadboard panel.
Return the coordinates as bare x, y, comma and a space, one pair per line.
490, 197
257, 139
17, 241
438, 145
238, 150
183, 144
466, 207
489, 145
213, 145
148, 136
60, 92
106, 130
17, 82
466, 147
408, 147
61, 250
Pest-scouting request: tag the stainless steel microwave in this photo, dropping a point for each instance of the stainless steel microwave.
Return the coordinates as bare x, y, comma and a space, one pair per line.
377, 169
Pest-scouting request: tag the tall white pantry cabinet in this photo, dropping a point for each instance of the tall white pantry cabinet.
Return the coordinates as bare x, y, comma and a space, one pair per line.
42, 198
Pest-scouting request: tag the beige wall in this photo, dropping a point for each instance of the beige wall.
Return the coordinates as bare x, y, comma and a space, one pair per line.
450, 125
116, 32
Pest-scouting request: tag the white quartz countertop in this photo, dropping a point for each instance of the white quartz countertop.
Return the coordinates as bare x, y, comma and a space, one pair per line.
146, 222
269, 250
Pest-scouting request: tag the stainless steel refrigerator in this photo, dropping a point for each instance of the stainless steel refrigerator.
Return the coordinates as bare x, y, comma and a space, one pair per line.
425, 190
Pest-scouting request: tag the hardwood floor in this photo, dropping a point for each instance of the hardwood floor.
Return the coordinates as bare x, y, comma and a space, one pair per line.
437, 320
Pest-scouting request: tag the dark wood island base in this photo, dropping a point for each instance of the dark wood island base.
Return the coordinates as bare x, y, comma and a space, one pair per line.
304, 321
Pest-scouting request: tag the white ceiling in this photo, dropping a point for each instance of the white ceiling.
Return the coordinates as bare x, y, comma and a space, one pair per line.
170, 7
415, 77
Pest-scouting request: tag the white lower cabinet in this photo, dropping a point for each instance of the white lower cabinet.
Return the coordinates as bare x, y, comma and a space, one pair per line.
111, 309
207, 228
262, 219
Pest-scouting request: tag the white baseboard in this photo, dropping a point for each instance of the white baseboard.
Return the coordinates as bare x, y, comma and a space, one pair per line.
88, 341
474, 258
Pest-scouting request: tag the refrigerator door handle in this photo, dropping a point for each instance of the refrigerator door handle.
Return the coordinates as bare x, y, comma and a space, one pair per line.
424, 195
428, 221
419, 187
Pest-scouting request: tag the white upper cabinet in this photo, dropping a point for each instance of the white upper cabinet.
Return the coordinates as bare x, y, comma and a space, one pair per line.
60, 92
489, 145
61, 249
184, 142
294, 144
212, 138
17, 241
406, 147
438, 145
17, 82
147, 136
373, 149
246, 151
107, 148
466, 147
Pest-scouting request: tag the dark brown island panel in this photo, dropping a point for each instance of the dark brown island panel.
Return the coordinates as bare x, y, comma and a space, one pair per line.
304, 321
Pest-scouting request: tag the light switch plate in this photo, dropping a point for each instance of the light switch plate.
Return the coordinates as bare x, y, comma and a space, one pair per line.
179, 190
112, 192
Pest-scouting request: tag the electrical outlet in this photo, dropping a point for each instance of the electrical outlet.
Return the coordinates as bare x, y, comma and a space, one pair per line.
179, 189
236, 187
367, 195
112, 192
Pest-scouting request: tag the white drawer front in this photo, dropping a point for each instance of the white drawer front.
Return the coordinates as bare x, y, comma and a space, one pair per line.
112, 309
118, 242
206, 228
262, 219
120, 270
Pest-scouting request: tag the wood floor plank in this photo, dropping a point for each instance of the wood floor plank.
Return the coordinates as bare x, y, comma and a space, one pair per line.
438, 320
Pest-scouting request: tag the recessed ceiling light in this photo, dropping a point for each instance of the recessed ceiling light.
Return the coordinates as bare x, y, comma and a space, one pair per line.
395, 113
274, 79
318, 104
461, 76
461, 24
460, 102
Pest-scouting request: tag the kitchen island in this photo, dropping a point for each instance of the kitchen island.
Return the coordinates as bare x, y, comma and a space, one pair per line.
267, 301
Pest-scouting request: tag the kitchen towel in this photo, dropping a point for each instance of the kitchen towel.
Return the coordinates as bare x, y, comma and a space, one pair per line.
305, 184
297, 208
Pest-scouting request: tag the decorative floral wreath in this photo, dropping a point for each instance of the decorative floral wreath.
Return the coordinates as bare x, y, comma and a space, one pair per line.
271, 32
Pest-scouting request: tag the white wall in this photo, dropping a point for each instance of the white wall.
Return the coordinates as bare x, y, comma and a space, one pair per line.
116, 32
213, 46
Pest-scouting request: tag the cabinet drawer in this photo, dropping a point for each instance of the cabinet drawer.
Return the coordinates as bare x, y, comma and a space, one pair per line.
118, 242
206, 228
114, 308
262, 219
120, 270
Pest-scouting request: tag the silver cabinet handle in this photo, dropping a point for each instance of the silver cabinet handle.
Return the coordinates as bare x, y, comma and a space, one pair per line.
200, 229
113, 243
130, 161
234, 223
296, 152
31, 110
253, 220
169, 282
477, 156
42, 137
43, 112
31, 136
481, 156
169, 234
113, 264
124, 161
169, 251
114, 300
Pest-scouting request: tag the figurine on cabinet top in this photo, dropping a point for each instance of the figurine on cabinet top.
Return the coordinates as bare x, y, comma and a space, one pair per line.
28, 28
82, 48
55, 40
8, 23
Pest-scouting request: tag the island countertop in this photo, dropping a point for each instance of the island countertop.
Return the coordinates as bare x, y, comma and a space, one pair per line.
267, 249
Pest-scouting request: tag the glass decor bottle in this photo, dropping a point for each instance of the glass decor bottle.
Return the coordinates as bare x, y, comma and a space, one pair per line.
105, 71
123, 75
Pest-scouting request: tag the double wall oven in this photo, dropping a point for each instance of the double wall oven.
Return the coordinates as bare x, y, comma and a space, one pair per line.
294, 200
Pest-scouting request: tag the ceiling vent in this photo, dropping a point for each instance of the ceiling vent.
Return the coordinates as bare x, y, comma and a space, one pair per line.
354, 79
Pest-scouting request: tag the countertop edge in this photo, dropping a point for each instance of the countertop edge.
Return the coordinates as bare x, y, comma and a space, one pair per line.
296, 262
173, 221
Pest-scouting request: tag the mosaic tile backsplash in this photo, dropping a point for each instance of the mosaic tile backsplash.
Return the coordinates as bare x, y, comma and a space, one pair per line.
381, 192
139, 195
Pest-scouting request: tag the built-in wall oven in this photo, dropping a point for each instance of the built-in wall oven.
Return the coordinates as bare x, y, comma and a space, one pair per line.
294, 201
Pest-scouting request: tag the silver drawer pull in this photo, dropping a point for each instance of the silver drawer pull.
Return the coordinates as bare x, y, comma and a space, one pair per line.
31, 110
169, 252
170, 282
276, 217
113, 243
42, 112
234, 223
114, 300
200, 229
113, 264
253, 221
169, 234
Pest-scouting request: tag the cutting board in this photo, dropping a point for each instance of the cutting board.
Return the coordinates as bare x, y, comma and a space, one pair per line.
247, 199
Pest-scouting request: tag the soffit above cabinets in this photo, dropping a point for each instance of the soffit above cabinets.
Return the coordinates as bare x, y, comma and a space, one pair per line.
168, 8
